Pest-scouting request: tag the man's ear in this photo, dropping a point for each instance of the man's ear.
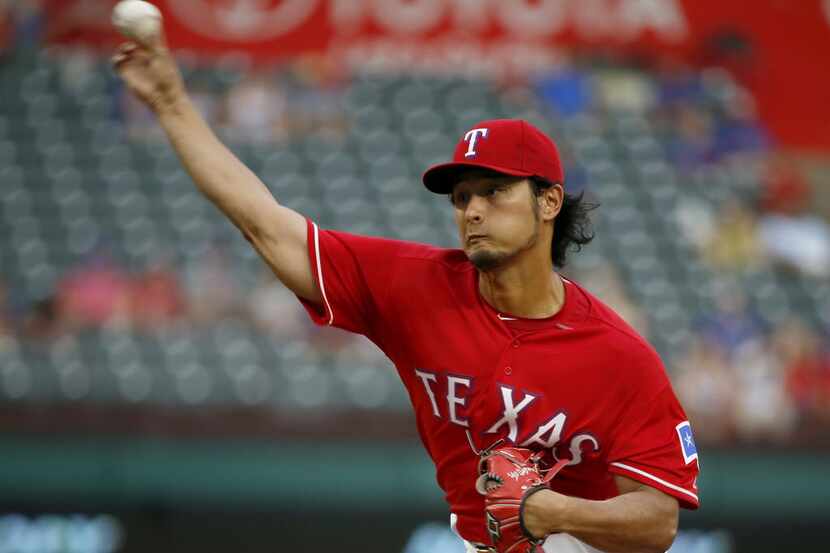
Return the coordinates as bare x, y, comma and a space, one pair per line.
550, 202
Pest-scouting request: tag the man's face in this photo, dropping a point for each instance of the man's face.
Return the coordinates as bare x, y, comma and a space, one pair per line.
497, 217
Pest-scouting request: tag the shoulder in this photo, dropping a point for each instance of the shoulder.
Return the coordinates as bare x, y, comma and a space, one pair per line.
622, 342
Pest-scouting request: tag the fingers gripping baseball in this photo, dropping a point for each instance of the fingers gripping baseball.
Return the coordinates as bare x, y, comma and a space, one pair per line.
149, 70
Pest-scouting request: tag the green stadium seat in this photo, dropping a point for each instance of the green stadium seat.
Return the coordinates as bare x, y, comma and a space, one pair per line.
71, 178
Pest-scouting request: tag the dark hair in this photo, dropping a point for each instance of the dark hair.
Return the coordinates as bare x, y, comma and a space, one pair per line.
572, 227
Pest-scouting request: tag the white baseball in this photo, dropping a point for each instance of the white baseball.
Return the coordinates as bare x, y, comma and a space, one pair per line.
137, 19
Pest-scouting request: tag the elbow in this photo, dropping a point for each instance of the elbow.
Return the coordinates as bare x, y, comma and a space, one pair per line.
664, 536
259, 224
252, 234
254, 231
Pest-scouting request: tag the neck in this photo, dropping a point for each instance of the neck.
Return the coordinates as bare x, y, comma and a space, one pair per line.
527, 288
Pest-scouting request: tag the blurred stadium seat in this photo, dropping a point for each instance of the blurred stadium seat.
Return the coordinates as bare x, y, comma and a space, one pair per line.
83, 177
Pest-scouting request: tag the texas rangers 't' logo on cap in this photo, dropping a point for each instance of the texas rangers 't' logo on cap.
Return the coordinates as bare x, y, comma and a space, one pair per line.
507, 146
470, 137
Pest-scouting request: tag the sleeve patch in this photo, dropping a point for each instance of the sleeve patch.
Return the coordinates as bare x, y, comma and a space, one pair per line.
687, 441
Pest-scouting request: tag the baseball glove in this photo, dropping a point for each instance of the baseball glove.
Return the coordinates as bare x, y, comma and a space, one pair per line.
507, 477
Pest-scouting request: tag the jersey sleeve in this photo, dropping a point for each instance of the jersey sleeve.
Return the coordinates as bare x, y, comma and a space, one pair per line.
653, 443
353, 274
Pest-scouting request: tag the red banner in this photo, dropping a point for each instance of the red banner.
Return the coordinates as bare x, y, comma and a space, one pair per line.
6, 31
779, 47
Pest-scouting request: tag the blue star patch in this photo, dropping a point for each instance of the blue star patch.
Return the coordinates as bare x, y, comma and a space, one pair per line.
687, 441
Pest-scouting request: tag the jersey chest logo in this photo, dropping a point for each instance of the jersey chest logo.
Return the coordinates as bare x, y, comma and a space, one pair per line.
513, 420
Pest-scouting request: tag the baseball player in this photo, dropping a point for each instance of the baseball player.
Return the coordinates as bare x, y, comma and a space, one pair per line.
551, 423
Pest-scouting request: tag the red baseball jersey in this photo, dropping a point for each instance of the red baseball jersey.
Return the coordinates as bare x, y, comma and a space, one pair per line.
580, 385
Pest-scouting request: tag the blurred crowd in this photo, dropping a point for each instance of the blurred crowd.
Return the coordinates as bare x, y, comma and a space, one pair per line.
21, 23
100, 292
705, 127
740, 379
741, 376
257, 105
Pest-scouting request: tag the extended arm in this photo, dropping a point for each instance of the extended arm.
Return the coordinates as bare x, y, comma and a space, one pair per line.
277, 233
639, 520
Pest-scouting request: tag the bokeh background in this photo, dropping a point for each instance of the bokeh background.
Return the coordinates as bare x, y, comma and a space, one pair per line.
159, 391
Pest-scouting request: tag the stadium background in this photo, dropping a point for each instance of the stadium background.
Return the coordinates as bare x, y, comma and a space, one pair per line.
158, 391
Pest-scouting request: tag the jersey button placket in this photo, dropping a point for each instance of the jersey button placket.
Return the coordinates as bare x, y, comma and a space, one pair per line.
507, 360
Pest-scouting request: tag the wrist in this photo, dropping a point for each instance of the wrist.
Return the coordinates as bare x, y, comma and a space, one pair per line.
171, 105
544, 513
563, 514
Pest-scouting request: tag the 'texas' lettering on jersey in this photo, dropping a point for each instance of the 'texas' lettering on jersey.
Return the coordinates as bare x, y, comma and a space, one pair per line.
547, 435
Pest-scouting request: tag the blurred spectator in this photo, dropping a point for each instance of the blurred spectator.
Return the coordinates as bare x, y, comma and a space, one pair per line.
567, 90
275, 310
28, 20
690, 143
255, 109
738, 130
337, 346
678, 83
211, 288
784, 188
78, 66
603, 280
797, 241
697, 223
94, 294
43, 321
807, 370
156, 297
316, 97
734, 242
626, 91
706, 385
792, 235
731, 325
763, 410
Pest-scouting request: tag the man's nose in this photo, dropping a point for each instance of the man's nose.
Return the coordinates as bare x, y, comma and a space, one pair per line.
475, 209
